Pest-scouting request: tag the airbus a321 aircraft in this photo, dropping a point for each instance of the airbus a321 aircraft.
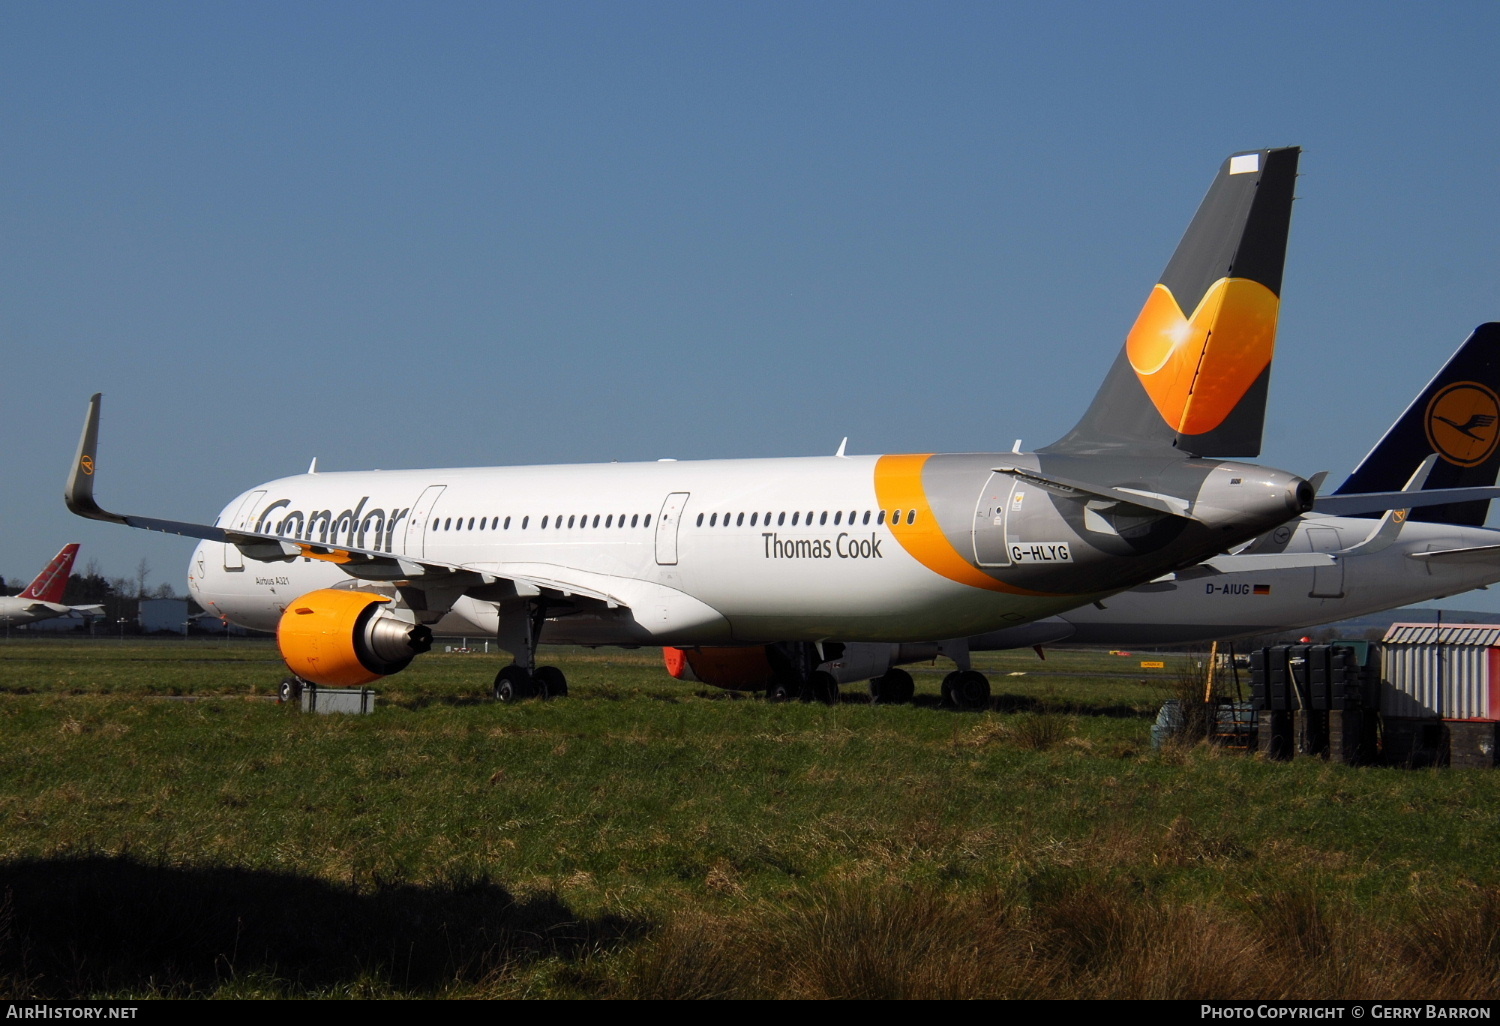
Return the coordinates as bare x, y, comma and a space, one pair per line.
355, 571
1447, 442
42, 599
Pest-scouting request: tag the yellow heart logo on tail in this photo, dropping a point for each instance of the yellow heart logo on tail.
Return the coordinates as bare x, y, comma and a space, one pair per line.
1196, 369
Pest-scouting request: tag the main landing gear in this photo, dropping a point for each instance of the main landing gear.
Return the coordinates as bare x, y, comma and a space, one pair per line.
967, 690
819, 687
893, 687
520, 629
794, 676
513, 683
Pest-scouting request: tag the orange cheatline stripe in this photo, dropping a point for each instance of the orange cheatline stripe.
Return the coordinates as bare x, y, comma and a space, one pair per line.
898, 485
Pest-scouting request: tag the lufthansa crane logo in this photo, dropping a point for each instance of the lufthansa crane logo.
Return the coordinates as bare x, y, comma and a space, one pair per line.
1462, 423
87, 465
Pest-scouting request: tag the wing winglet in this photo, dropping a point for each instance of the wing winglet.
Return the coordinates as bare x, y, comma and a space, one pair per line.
79, 494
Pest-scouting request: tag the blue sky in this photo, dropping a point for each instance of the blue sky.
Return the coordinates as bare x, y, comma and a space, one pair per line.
441, 234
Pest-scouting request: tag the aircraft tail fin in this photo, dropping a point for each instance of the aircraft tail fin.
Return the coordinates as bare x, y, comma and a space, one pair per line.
1457, 416
53, 581
1194, 372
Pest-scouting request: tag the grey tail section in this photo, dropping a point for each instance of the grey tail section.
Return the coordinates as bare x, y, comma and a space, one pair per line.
1210, 402
1456, 416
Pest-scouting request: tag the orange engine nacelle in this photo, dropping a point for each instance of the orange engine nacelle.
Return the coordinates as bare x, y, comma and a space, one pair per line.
344, 638
737, 669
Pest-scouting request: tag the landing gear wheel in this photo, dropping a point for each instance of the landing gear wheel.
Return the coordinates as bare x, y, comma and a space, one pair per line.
823, 687
513, 684
967, 689
782, 691
892, 687
550, 682
289, 691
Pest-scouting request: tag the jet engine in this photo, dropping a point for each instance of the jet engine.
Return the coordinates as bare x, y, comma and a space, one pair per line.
737, 669
345, 638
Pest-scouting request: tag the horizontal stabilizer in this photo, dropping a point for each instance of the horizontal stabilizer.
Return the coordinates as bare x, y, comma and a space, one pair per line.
1082, 491
1377, 502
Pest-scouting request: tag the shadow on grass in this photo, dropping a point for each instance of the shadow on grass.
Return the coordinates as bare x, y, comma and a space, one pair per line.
78, 926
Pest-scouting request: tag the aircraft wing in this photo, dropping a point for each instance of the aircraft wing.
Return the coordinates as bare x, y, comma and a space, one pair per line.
1253, 563
363, 564
1472, 554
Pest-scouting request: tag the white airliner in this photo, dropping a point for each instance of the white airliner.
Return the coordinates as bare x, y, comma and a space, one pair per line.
789, 559
1447, 439
42, 599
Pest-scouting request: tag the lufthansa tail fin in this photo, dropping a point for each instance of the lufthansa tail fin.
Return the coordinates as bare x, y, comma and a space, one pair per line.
1457, 416
53, 581
1193, 375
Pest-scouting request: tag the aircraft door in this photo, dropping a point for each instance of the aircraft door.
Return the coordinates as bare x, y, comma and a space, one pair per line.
666, 528
415, 543
1328, 581
234, 560
989, 520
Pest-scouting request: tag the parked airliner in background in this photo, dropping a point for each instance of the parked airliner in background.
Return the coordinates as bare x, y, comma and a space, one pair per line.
1448, 438
789, 560
42, 599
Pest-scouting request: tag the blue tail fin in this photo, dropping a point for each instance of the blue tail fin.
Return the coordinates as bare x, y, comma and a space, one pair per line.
1456, 416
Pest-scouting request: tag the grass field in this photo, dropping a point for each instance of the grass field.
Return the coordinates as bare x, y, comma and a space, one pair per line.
167, 829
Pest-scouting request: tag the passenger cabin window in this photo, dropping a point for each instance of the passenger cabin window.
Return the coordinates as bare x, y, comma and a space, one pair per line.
881, 518
647, 521
911, 516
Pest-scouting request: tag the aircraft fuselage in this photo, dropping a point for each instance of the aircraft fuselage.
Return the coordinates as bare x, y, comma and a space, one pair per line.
865, 548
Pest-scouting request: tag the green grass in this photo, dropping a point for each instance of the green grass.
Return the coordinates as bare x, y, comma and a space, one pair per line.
168, 829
